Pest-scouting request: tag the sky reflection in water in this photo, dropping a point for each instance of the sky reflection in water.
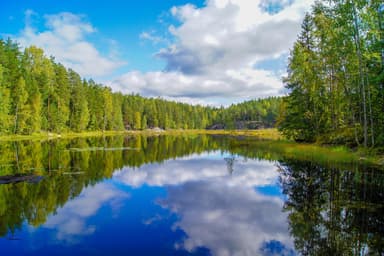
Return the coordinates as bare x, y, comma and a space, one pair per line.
195, 205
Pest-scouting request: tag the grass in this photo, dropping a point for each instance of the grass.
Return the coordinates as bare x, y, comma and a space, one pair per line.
309, 152
265, 134
262, 134
272, 142
71, 135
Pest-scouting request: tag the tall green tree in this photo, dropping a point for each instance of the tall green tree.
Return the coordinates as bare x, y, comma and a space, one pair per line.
334, 78
108, 108
79, 106
5, 118
117, 114
60, 100
20, 107
137, 121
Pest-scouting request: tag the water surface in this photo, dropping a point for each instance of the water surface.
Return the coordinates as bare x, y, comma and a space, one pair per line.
183, 196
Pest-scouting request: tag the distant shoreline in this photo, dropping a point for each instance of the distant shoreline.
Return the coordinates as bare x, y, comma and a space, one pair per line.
262, 133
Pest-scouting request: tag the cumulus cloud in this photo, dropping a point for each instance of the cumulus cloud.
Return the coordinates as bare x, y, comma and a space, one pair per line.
216, 47
65, 38
70, 222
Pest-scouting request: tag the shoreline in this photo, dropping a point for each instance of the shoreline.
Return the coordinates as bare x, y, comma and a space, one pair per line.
262, 134
271, 138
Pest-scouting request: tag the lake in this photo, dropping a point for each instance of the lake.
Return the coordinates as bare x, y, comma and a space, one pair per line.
183, 195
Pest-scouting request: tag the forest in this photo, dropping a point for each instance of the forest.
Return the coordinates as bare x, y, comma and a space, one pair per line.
38, 94
335, 85
336, 76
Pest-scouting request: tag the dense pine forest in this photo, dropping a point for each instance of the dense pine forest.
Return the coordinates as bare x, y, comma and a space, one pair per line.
38, 94
335, 76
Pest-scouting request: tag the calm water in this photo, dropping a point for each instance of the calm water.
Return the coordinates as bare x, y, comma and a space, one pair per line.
182, 196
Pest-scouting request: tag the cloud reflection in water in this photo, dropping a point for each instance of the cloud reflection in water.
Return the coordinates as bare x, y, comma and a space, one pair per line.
218, 210
71, 220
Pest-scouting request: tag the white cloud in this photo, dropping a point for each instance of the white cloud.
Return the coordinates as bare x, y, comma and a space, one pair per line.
233, 84
150, 36
216, 48
65, 38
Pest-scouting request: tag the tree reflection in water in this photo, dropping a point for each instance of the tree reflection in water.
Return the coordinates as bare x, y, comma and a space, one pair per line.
333, 211
69, 166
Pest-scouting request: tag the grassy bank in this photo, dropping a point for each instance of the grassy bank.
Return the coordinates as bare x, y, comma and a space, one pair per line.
70, 135
270, 134
270, 142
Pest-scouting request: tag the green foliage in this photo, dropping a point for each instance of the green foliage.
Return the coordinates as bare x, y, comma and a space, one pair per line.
137, 122
5, 119
79, 106
335, 76
253, 114
20, 106
38, 94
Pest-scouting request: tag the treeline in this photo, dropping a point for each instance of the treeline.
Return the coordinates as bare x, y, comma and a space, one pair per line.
335, 75
38, 94
253, 114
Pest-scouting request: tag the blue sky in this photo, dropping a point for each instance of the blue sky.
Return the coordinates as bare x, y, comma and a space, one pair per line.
209, 52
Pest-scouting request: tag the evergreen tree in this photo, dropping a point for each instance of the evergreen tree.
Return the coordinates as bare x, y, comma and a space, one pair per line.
5, 118
20, 107
59, 106
117, 115
137, 121
144, 123
79, 106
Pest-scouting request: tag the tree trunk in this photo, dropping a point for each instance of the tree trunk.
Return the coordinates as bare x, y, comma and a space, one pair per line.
16, 116
361, 75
